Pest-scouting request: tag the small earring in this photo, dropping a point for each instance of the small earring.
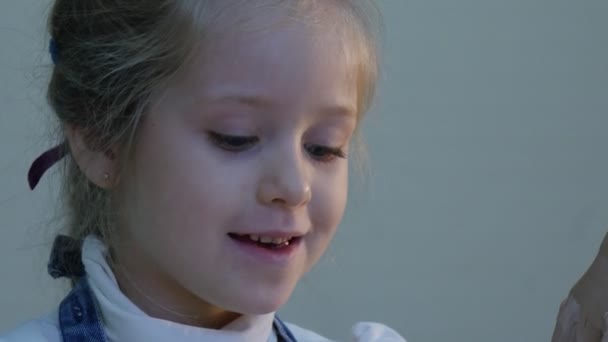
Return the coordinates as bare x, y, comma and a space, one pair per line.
106, 176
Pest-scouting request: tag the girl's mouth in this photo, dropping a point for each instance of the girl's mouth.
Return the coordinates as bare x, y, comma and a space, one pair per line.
266, 242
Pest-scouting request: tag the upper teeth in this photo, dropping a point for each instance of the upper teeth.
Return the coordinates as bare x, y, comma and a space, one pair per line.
268, 239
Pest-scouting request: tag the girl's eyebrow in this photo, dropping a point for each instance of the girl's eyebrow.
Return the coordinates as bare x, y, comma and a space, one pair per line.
256, 101
249, 100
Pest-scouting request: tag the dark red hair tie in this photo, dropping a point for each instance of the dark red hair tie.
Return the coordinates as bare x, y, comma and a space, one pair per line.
45, 162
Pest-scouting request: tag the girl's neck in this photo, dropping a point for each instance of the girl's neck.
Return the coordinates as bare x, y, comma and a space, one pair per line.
176, 304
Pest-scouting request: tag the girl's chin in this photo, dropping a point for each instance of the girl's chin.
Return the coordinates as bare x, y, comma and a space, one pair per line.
262, 307
258, 303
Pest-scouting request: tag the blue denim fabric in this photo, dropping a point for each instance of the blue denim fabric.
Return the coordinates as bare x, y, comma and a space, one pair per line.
282, 331
79, 319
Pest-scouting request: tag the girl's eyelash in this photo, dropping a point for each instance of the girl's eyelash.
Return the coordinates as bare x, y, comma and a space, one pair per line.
232, 143
325, 154
235, 143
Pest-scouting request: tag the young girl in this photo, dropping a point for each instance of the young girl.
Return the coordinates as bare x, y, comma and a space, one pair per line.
205, 144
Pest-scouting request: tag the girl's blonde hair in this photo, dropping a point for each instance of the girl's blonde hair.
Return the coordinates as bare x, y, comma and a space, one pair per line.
112, 56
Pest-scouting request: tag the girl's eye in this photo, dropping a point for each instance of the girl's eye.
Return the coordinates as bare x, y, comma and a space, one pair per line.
324, 154
232, 143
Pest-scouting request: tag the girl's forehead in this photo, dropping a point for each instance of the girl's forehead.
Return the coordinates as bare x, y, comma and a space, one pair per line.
261, 41
278, 68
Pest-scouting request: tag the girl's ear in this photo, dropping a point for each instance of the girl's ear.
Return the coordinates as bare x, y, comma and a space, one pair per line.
99, 166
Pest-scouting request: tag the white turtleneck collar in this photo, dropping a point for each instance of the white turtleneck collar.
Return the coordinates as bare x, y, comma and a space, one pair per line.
124, 321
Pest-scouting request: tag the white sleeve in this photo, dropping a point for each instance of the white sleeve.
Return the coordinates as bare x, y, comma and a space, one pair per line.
375, 332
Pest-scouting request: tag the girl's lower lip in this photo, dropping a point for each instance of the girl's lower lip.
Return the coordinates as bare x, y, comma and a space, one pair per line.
275, 257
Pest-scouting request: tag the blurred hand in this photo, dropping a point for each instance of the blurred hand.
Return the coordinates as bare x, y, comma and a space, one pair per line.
581, 316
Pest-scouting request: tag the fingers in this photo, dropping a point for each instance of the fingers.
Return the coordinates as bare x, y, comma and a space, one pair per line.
587, 332
605, 335
567, 321
573, 326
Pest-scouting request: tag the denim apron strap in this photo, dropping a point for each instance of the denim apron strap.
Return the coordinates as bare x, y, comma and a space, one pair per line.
282, 331
78, 316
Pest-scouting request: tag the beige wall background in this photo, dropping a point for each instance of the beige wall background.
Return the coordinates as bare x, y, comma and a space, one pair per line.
489, 193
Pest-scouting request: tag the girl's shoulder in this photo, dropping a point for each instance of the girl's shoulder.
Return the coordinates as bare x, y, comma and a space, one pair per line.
361, 332
43, 329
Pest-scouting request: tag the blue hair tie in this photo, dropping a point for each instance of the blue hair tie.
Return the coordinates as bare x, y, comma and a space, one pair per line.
54, 51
